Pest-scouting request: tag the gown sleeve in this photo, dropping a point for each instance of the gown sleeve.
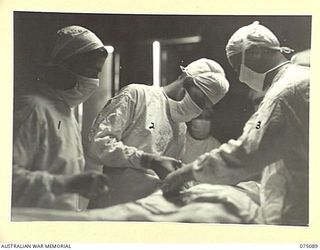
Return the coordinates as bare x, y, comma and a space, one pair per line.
264, 140
30, 187
105, 145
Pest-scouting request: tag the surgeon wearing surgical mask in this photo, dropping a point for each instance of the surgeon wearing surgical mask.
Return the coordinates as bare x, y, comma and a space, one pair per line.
199, 128
76, 78
257, 65
277, 131
48, 159
139, 136
199, 138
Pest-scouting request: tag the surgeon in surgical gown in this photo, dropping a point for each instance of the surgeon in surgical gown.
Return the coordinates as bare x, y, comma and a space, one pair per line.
142, 124
199, 139
48, 158
277, 131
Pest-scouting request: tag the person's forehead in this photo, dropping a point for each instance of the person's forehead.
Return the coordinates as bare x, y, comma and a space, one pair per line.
92, 59
235, 60
196, 91
199, 93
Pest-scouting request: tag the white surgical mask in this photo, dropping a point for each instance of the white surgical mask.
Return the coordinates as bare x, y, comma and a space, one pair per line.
184, 110
199, 128
81, 91
253, 79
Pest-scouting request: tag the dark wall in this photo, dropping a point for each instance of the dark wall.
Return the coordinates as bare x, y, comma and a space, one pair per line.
131, 35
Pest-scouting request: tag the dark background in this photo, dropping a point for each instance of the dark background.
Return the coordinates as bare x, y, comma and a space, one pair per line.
132, 37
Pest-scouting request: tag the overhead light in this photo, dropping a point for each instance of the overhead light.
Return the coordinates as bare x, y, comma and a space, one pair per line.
109, 49
156, 63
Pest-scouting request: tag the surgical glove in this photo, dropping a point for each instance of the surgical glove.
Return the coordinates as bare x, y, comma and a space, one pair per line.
162, 165
174, 181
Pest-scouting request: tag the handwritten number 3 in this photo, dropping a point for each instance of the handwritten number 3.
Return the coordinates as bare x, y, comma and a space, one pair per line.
258, 125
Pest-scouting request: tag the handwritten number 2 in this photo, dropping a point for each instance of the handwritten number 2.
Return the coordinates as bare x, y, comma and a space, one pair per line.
258, 125
152, 126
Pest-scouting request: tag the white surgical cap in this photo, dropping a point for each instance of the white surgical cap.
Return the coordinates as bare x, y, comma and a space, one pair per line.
213, 85
73, 40
209, 77
203, 65
253, 34
302, 58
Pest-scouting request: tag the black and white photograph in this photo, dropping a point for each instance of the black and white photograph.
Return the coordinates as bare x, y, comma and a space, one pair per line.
161, 118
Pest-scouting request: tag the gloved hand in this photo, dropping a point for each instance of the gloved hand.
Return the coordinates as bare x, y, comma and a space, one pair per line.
162, 165
89, 184
174, 181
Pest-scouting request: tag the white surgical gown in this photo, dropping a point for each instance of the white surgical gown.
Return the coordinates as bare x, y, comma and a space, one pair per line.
194, 148
136, 120
277, 131
46, 144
